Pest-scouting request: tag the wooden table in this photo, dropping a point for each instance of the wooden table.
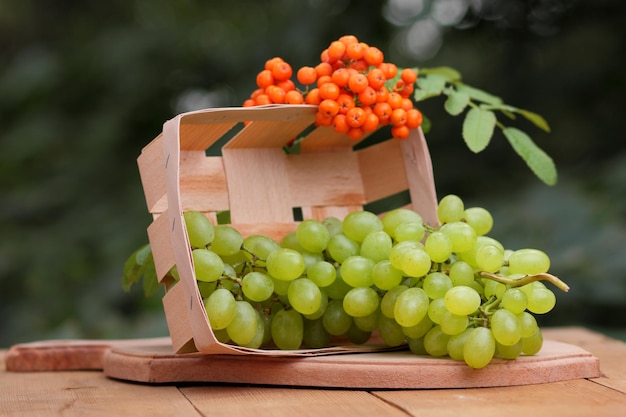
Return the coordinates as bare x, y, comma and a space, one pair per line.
90, 393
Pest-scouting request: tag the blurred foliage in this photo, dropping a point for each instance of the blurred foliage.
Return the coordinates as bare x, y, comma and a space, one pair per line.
84, 85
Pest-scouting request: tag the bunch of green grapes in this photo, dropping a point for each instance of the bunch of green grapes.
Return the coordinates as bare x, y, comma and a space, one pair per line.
444, 290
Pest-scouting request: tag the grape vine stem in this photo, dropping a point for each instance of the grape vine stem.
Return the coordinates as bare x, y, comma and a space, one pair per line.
527, 279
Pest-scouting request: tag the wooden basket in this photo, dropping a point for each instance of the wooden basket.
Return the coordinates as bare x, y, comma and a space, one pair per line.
262, 187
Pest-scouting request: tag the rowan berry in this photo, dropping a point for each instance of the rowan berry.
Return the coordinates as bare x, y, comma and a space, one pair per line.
328, 108
249, 103
282, 71
286, 85
293, 97
264, 79
355, 133
276, 94
398, 117
306, 75
359, 65
262, 100
373, 56
408, 75
389, 69
368, 96
394, 100
400, 132
313, 97
341, 76
382, 94
323, 120
357, 83
329, 90
355, 117
339, 123
371, 123
355, 50
323, 68
413, 118
383, 111
345, 102
376, 78
406, 104
348, 39
336, 51
269, 64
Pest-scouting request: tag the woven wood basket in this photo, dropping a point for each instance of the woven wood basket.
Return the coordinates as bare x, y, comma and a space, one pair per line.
262, 187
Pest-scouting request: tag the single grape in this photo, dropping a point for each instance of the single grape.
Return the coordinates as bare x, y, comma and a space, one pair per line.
259, 246
541, 301
321, 309
341, 247
436, 310
532, 345
461, 234
509, 352
462, 300
285, 264
528, 262
416, 346
388, 302
358, 224
280, 287
356, 271
489, 258
385, 275
461, 273
257, 286
450, 209
436, 342
221, 335
361, 301
438, 246
395, 217
456, 343
322, 273
411, 307
480, 219
199, 229
333, 224
336, 320
338, 289
207, 265
312, 235
243, 327
452, 324
396, 255
259, 335
220, 308
436, 284
409, 231
420, 329
287, 329
290, 241
479, 348
514, 300
528, 324
315, 335
357, 335
390, 331
415, 262
493, 288
505, 327
367, 323
227, 240
206, 288
304, 296
376, 246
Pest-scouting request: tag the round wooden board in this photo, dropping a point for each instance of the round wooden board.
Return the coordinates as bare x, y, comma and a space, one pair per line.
157, 364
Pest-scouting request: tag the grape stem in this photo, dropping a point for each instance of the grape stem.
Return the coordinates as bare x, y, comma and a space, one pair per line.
527, 279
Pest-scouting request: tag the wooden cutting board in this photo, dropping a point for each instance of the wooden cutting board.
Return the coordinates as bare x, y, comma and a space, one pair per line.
153, 361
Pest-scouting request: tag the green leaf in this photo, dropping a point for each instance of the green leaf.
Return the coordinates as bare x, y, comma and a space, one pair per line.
478, 128
450, 74
150, 279
456, 103
426, 124
535, 119
478, 94
537, 160
132, 271
429, 86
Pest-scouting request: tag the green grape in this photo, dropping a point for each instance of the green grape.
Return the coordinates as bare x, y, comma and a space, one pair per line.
452, 324
415, 262
388, 302
456, 343
361, 301
396, 255
257, 286
207, 265
450, 209
416, 346
322, 273
367, 323
259, 335
514, 300
220, 308
227, 240
199, 229
333, 225
470, 255
206, 288
229, 271
436, 284
336, 320
390, 331
438, 247
493, 288
221, 335
287, 329
541, 301
312, 235
480, 219
376, 246
358, 224
528, 324
532, 345
528, 262
489, 258
259, 246
243, 327
419, 330
436, 310
479, 348
436, 342
321, 310
338, 289
411, 307
304, 296
290, 241
395, 217
409, 231
280, 287
356, 271
461, 273
509, 352
310, 258
341, 247
285, 264
505, 327
315, 335
462, 300
385, 275
357, 335
461, 235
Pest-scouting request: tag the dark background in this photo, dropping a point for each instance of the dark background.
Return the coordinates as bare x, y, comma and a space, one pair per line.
84, 85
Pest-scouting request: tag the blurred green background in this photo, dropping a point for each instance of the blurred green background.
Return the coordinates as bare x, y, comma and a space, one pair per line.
84, 85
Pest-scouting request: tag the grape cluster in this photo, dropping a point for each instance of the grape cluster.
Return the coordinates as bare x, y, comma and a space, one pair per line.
442, 290
354, 89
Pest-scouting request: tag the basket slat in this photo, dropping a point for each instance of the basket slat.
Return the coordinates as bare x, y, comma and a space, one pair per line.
152, 173
200, 137
269, 133
202, 182
161, 245
382, 170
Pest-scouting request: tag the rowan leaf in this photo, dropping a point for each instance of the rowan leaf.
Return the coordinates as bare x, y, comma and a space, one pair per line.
429, 86
456, 103
537, 160
450, 74
478, 94
478, 128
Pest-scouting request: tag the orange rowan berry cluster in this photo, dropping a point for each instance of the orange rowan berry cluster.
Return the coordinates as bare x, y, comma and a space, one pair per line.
350, 86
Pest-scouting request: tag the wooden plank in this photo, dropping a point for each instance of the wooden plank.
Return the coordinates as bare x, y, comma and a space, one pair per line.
382, 170
151, 170
200, 137
578, 398
202, 182
231, 401
161, 246
269, 133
